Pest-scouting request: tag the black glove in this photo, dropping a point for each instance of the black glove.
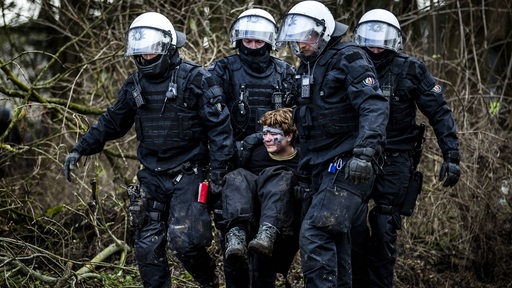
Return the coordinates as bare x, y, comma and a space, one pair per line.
70, 163
247, 146
359, 168
302, 190
450, 169
216, 181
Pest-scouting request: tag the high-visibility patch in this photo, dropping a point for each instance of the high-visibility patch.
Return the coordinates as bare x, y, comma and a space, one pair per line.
437, 88
369, 81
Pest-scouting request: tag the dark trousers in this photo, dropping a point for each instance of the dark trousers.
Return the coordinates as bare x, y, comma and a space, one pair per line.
325, 242
384, 219
174, 221
248, 200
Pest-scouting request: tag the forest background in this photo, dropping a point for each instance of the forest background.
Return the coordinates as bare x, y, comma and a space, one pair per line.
61, 66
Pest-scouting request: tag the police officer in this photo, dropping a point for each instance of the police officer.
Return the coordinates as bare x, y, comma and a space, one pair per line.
341, 118
253, 82
407, 84
182, 126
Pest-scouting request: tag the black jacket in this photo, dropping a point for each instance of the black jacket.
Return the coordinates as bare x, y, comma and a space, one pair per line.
192, 126
345, 107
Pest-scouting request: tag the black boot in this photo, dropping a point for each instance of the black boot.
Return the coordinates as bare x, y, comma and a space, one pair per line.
264, 241
235, 243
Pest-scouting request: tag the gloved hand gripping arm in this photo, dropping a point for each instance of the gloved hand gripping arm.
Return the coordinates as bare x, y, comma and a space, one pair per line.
247, 146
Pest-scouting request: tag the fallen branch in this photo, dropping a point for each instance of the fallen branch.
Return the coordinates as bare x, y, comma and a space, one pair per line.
82, 273
111, 249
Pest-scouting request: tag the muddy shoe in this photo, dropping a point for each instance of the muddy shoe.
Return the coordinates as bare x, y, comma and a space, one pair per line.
235, 243
264, 241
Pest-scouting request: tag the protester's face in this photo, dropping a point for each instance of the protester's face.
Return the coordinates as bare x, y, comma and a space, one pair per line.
309, 47
253, 43
275, 141
376, 50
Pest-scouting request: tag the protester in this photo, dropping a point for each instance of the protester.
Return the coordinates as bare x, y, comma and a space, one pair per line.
259, 196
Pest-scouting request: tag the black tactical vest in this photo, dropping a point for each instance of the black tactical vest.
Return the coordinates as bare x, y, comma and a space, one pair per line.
253, 94
324, 115
167, 116
395, 82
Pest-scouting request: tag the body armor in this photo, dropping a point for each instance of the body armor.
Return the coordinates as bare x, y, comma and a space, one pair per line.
252, 94
166, 118
329, 121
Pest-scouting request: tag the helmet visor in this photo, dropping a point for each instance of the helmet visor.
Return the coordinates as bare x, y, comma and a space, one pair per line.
254, 27
378, 34
146, 40
299, 28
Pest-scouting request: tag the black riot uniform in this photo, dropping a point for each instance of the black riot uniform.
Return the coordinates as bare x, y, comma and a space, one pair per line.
409, 86
337, 117
253, 83
341, 117
180, 133
252, 86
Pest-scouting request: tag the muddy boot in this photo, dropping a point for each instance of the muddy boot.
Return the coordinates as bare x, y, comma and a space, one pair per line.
264, 241
235, 243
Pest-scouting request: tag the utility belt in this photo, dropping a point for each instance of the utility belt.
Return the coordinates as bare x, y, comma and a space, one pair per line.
396, 153
177, 173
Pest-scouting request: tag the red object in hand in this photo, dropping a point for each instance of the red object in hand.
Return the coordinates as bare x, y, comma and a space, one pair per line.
202, 196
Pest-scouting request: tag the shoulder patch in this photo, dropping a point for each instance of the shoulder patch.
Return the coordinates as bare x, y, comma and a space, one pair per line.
437, 88
369, 81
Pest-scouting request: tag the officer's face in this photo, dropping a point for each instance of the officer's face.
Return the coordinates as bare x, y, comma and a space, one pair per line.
376, 50
308, 47
253, 43
148, 56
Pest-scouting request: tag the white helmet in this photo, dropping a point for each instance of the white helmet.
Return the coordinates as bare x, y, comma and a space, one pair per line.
254, 24
379, 28
306, 19
152, 33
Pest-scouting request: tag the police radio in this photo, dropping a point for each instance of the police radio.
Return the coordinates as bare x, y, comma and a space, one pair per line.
306, 86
